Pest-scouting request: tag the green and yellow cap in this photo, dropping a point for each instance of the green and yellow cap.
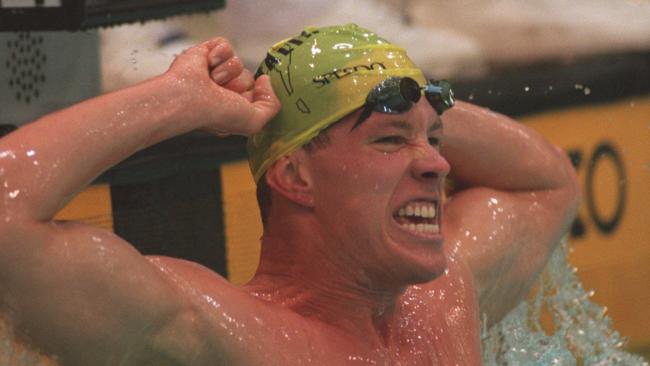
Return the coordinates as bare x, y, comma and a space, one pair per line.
320, 76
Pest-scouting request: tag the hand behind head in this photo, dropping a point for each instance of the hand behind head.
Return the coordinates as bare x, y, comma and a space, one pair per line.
225, 95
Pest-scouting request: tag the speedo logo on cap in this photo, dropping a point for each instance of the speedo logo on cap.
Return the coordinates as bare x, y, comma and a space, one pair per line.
335, 74
285, 49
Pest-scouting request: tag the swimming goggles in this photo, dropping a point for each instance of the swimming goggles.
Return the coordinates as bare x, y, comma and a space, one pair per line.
397, 95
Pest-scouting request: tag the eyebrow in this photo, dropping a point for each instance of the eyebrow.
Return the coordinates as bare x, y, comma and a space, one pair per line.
405, 126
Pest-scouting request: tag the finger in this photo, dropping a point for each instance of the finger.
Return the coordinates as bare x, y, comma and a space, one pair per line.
221, 52
265, 102
248, 95
227, 70
242, 84
213, 42
197, 55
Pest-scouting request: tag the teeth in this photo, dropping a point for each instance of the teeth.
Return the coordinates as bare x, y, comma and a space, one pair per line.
427, 210
422, 228
409, 210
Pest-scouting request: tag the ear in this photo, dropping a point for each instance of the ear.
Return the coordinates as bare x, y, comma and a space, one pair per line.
290, 177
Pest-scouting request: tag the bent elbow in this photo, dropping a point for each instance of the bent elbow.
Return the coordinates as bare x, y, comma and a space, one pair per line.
575, 194
571, 185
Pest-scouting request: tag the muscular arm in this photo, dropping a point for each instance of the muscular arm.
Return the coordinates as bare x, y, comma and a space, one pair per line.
49, 161
514, 196
81, 293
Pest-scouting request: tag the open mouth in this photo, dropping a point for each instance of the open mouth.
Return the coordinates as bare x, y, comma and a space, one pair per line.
419, 217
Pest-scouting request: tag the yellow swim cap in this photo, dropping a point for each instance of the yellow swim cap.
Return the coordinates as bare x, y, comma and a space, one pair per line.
320, 76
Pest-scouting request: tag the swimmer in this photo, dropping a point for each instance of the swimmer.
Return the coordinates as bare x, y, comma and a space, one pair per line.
364, 260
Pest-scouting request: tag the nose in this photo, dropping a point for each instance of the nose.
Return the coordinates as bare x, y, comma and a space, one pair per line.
430, 165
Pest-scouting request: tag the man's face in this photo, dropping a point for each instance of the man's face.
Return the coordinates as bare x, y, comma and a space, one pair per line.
378, 192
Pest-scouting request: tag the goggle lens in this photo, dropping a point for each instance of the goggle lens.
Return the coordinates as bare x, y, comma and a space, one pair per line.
397, 95
440, 95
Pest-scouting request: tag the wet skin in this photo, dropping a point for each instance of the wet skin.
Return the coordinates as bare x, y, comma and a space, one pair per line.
357, 263
364, 177
341, 280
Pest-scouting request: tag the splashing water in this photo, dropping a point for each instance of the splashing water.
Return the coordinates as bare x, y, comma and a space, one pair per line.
15, 354
581, 332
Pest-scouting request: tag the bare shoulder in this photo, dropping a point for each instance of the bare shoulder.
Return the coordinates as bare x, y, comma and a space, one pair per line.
208, 291
445, 313
187, 273
219, 315
453, 292
235, 326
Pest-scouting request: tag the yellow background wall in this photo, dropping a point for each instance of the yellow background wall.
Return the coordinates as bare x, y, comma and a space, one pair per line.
91, 206
616, 264
243, 222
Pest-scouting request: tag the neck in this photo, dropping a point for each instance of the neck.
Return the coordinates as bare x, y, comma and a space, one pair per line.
297, 271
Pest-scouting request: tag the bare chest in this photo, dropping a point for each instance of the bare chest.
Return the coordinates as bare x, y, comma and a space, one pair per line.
448, 336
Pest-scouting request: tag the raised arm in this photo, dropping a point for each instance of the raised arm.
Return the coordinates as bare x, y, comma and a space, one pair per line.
514, 196
49, 161
81, 293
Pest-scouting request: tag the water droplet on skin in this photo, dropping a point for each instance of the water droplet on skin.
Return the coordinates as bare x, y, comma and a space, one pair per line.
14, 194
7, 154
259, 321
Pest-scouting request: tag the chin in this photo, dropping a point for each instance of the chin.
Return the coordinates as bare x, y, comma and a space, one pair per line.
417, 262
427, 272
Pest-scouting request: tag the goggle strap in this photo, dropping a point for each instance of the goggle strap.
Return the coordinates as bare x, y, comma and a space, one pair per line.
365, 113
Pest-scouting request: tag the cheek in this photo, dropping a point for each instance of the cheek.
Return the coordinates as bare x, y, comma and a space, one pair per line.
366, 179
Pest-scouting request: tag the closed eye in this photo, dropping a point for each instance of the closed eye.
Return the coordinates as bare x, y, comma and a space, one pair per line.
391, 140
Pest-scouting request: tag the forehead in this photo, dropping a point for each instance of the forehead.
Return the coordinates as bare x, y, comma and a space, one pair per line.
420, 117
406, 125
